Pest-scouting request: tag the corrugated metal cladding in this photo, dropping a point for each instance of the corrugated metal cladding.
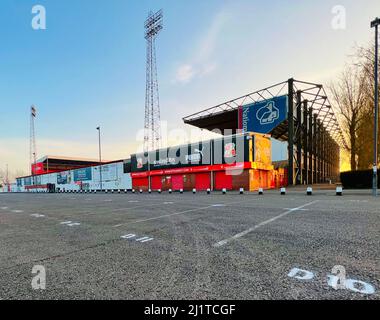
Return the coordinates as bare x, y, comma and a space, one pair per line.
202, 181
234, 162
223, 180
225, 150
231, 162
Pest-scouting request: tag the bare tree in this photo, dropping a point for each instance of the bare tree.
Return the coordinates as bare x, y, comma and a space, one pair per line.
365, 137
364, 59
11, 176
349, 95
2, 177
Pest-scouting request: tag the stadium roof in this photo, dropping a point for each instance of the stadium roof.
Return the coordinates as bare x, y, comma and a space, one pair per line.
225, 115
69, 159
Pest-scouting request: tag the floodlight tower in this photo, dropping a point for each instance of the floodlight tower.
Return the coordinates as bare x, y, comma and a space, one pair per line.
33, 149
152, 127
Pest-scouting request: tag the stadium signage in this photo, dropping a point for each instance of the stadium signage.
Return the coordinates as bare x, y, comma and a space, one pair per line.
263, 116
64, 178
164, 162
84, 174
227, 150
188, 170
195, 157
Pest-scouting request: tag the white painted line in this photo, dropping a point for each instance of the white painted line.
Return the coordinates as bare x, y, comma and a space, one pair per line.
143, 238
218, 205
244, 233
17, 211
360, 286
37, 215
131, 208
225, 204
333, 280
120, 209
160, 217
301, 274
128, 236
66, 222
74, 224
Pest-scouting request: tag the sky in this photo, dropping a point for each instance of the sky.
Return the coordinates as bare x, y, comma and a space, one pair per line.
88, 67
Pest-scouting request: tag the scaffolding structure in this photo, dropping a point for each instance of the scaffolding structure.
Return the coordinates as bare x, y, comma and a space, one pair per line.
312, 130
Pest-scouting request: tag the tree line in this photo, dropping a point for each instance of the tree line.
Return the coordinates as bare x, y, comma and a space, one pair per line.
353, 97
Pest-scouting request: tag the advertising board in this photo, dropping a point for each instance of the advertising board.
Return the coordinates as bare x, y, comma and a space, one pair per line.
263, 116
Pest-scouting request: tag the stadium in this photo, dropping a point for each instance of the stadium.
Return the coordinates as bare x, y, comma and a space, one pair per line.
285, 134
256, 208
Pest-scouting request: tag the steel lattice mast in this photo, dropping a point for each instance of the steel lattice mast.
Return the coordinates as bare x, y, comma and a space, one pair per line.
33, 148
152, 127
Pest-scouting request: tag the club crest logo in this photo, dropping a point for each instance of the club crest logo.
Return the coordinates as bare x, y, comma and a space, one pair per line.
139, 163
230, 150
268, 114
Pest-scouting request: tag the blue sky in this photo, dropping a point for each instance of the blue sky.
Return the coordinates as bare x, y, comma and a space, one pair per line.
88, 66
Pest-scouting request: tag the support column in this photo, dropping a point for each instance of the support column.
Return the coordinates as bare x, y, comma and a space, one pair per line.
319, 151
328, 157
324, 141
305, 134
337, 162
315, 155
299, 139
311, 147
290, 133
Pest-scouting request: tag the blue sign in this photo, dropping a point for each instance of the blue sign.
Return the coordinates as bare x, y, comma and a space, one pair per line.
28, 181
263, 116
63, 178
83, 174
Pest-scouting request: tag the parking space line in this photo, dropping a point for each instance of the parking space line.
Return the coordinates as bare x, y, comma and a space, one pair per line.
143, 238
136, 207
244, 233
182, 212
164, 216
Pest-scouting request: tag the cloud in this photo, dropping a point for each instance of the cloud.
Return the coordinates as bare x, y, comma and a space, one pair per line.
202, 62
185, 73
210, 39
207, 69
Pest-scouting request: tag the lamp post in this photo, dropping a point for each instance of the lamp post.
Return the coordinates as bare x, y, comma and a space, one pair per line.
100, 160
375, 24
149, 177
7, 179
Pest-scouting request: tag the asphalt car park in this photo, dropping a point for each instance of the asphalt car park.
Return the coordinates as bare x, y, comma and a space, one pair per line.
191, 246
